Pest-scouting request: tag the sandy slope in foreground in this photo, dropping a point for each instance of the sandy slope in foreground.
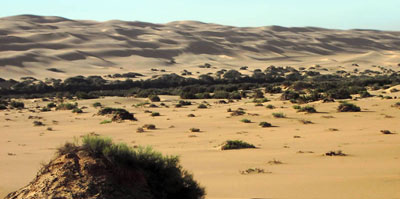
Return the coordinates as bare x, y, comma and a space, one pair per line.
370, 171
30, 45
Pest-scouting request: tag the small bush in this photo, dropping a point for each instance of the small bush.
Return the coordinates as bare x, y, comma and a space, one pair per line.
184, 103
236, 144
202, 106
365, 94
308, 109
97, 104
386, 132
164, 177
260, 100
45, 109
335, 153
155, 114
194, 130
348, 107
149, 126
278, 115
245, 121
77, 110
118, 114
297, 107
18, 105
265, 124
154, 98
66, 106
191, 115
270, 106
38, 123
51, 105
3, 107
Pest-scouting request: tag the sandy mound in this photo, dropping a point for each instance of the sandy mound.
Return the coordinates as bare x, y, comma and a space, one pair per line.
100, 169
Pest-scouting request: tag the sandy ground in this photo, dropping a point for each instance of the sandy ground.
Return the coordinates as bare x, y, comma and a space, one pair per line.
371, 169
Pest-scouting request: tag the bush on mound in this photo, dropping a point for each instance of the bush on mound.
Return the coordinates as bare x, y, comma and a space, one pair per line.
348, 107
118, 114
99, 168
154, 98
236, 144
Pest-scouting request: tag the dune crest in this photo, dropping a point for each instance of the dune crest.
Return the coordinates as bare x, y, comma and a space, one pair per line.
40, 42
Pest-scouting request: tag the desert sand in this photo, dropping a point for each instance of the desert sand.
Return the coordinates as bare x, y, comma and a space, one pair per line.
291, 153
369, 171
30, 45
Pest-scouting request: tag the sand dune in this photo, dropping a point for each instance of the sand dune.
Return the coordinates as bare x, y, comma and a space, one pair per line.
27, 40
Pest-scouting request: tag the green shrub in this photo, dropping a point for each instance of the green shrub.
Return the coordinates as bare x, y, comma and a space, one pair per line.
202, 106
118, 113
270, 106
236, 144
260, 100
265, 124
184, 103
45, 109
97, 104
154, 98
278, 115
154, 114
348, 107
51, 105
194, 130
308, 109
77, 110
163, 175
18, 105
365, 94
297, 107
245, 120
3, 107
66, 106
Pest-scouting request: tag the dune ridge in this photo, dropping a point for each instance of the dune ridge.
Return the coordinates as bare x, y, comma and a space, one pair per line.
39, 42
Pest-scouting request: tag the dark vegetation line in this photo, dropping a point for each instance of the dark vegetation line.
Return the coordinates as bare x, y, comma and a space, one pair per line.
300, 86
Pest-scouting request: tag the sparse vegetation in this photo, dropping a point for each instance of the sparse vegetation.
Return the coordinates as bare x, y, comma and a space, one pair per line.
202, 106
97, 104
155, 114
386, 132
163, 175
154, 98
66, 106
265, 124
253, 171
236, 144
245, 120
38, 123
105, 121
335, 153
348, 107
17, 105
149, 126
194, 130
279, 115
270, 106
77, 110
118, 114
308, 109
